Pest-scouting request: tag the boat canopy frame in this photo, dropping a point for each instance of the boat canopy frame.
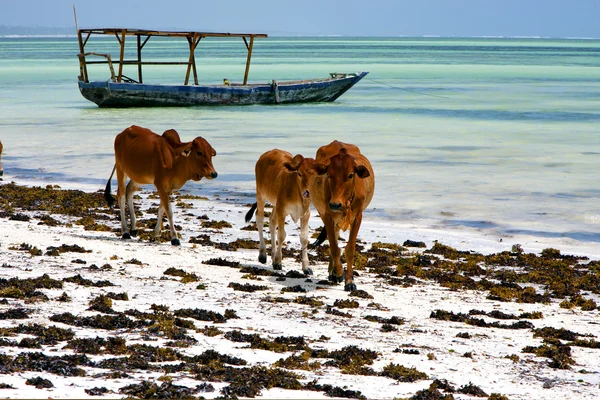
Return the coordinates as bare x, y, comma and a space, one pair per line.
142, 36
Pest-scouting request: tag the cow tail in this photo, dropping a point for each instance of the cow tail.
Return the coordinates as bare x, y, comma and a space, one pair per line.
320, 239
107, 196
250, 212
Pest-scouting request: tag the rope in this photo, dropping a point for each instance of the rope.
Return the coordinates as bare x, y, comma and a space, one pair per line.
406, 90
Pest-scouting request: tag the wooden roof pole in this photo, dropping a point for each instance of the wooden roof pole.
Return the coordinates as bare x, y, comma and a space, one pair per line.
122, 55
194, 63
192, 60
82, 65
248, 59
139, 58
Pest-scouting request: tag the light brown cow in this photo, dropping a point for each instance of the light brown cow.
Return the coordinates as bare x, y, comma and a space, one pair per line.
165, 161
1, 169
343, 188
282, 180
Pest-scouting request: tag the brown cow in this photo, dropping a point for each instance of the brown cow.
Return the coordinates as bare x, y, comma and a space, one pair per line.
1, 169
282, 180
165, 161
343, 188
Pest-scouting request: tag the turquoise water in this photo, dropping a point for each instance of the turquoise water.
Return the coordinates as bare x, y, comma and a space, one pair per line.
496, 135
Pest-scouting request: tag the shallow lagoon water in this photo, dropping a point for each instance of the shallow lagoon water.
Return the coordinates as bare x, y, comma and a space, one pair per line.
496, 136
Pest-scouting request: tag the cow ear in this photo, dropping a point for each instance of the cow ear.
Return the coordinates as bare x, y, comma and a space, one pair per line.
289, 167
186, 151
362, 171
320, 169
297, 160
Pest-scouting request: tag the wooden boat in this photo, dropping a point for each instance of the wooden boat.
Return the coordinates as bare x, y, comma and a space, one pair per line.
121, 91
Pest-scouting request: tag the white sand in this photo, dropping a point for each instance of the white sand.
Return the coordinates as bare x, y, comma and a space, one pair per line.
146, 284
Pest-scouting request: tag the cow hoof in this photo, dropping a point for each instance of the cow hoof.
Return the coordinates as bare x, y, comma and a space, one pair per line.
126, 236
175, 242
307, 271
335, 279
349, 287
134, 233
262, 258
277, 267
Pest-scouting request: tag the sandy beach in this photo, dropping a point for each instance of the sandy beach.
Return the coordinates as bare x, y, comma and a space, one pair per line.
85, 314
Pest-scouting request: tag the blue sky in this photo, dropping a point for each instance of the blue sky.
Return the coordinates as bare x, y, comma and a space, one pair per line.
548, 18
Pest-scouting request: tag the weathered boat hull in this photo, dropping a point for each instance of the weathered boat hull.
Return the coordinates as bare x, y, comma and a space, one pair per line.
112, 94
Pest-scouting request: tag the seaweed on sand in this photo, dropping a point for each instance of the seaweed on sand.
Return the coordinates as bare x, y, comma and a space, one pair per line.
60, 365
248, 381
279, 344
69, 202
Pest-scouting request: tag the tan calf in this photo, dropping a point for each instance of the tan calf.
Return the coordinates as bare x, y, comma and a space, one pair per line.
282, 180
145, 157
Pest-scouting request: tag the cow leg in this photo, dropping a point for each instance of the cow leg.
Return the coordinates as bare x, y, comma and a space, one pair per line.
280, 224
335, 265
273, 229
121, 196
159, 221
260, 223
132, 187
304, 242
166, 204
349, 251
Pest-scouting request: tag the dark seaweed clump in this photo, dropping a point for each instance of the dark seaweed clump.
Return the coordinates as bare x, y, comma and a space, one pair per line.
222, 262
558, 353
350, 359
246, 287
391, 320
279, 344
460, 317
339, 303
334, 311
360, 293
39, 382
45, 335
334, 391
109, 322
15, 313
166, 390
64, 365
28, 288
101, 303
293, 289
402, 373
248, 381
472, 390
69, 202
186, 277
204, 315
96, 391
79, 280
65, 248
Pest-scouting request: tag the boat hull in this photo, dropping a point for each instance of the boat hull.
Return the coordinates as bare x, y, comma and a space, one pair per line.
112, 94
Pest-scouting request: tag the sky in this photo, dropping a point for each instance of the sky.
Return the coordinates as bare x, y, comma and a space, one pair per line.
545, 18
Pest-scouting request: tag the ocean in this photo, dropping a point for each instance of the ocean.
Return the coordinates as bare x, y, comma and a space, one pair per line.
481, 136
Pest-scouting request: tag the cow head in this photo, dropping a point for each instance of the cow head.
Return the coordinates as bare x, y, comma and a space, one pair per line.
342, 171
199, 154
302, 167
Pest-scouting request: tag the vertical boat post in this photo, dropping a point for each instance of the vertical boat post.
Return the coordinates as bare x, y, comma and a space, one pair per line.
122, 40
82, 65
249, 57
139, 57
193, 42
